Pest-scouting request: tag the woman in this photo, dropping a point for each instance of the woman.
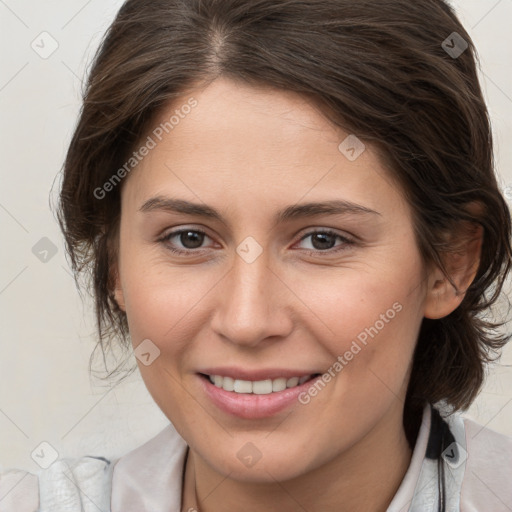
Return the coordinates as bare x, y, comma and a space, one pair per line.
289, 208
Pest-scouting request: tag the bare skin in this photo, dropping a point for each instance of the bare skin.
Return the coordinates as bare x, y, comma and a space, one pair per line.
249, 153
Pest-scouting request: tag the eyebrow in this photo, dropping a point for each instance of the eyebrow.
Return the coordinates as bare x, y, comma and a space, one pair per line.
333, 207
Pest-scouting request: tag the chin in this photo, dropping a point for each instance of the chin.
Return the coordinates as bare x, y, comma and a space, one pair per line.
252, 465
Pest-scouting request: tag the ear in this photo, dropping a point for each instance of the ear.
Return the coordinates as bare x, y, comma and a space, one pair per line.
118, 290
461, 263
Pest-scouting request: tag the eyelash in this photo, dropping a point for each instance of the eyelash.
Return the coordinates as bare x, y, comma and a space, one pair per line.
187, 252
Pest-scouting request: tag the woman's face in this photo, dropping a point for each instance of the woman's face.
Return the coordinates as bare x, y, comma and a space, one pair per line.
274, 289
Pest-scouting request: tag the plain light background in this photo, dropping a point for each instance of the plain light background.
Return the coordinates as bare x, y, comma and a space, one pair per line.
47, 333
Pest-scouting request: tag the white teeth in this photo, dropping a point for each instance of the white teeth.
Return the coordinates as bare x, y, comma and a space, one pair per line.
228, 384
260, 387
279, 384
291, 383
242, 386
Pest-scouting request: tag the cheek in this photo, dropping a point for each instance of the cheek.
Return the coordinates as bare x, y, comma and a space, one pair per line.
375, 324
162, 305
161, 298
370, 320
363, 305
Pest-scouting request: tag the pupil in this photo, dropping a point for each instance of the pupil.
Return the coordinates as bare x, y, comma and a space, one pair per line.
197, 239
326, 241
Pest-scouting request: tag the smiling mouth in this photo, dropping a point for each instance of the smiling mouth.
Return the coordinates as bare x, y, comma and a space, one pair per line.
260, 387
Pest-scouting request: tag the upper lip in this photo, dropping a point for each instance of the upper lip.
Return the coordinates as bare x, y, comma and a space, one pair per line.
256, 375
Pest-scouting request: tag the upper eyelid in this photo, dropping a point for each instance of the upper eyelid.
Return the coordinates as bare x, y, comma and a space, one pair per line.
330, 231
177, 230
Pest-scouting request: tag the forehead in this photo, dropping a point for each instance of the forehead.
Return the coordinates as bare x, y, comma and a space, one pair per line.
230, 139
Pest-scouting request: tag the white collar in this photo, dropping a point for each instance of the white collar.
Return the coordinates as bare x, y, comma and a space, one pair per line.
404, 495
150, 477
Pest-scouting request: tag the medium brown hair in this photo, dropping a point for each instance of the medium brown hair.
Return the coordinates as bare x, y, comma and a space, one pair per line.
376, 68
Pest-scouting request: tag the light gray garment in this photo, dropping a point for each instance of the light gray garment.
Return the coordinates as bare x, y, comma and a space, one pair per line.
476, 462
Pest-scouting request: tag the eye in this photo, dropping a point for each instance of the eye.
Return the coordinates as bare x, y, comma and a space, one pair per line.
186, 241
323, 241
189, 238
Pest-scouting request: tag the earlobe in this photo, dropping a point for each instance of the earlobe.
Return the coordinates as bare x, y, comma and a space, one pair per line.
119, 298
461, 265
118, 292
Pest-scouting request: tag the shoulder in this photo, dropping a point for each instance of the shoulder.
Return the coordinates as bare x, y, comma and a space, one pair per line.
146, 478
457, 465
150, 476
487, 483
58, 488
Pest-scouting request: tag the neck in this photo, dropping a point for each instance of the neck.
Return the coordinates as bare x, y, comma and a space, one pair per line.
363, 478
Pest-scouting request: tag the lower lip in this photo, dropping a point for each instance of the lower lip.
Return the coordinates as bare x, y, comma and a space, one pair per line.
251, 406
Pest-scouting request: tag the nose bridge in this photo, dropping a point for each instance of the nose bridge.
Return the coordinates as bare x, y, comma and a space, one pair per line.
249, 308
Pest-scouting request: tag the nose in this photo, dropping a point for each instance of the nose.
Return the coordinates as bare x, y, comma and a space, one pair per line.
253, 304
